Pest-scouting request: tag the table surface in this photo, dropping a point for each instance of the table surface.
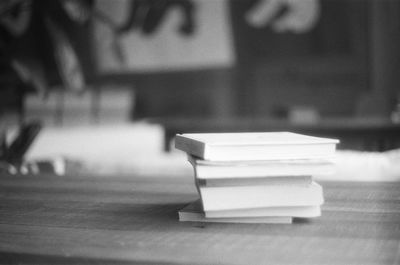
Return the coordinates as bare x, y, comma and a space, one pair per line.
134, 220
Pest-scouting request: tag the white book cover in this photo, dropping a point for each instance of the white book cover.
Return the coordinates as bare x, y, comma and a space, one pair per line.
205, 169
259, 196
194, 213
256, 181
255, 146
311, 211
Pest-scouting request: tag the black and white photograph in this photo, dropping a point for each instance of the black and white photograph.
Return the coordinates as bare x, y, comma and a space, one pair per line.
190, 132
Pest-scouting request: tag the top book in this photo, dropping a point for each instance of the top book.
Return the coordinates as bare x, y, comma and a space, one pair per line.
255, 146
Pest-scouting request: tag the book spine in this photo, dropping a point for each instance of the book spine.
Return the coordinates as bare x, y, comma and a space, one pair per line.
217, 172
237, 182
229, 198
223, 153
190, 146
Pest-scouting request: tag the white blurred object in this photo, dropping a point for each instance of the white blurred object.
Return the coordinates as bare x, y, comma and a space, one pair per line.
119, 149
137, 148
59, 166
303, 115
124, 142
301, 16
366, 166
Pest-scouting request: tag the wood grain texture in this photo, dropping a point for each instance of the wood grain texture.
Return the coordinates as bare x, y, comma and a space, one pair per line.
115, 220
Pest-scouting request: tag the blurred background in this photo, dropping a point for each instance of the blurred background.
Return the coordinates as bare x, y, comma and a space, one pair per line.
113, 81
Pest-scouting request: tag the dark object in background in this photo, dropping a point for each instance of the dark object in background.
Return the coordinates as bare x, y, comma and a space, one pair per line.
148, 15
11, 156
44, 51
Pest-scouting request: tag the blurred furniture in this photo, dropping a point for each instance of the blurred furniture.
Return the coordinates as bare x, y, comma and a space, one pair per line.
357, 133
185, 93
347, 64
134, 220
326, 68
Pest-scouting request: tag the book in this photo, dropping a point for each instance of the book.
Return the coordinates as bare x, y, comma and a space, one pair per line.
259, 196
255, 146
193, 213
293, 211
259, 181
205, 169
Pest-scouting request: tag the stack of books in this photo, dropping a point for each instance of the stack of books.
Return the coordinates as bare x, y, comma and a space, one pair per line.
256, 177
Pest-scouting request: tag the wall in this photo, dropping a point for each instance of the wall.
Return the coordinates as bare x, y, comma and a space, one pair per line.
264, 73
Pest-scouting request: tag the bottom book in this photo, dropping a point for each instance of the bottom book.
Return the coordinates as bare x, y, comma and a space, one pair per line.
259, 196
193, 213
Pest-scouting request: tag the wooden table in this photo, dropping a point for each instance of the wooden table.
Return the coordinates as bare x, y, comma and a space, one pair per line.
133, 220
